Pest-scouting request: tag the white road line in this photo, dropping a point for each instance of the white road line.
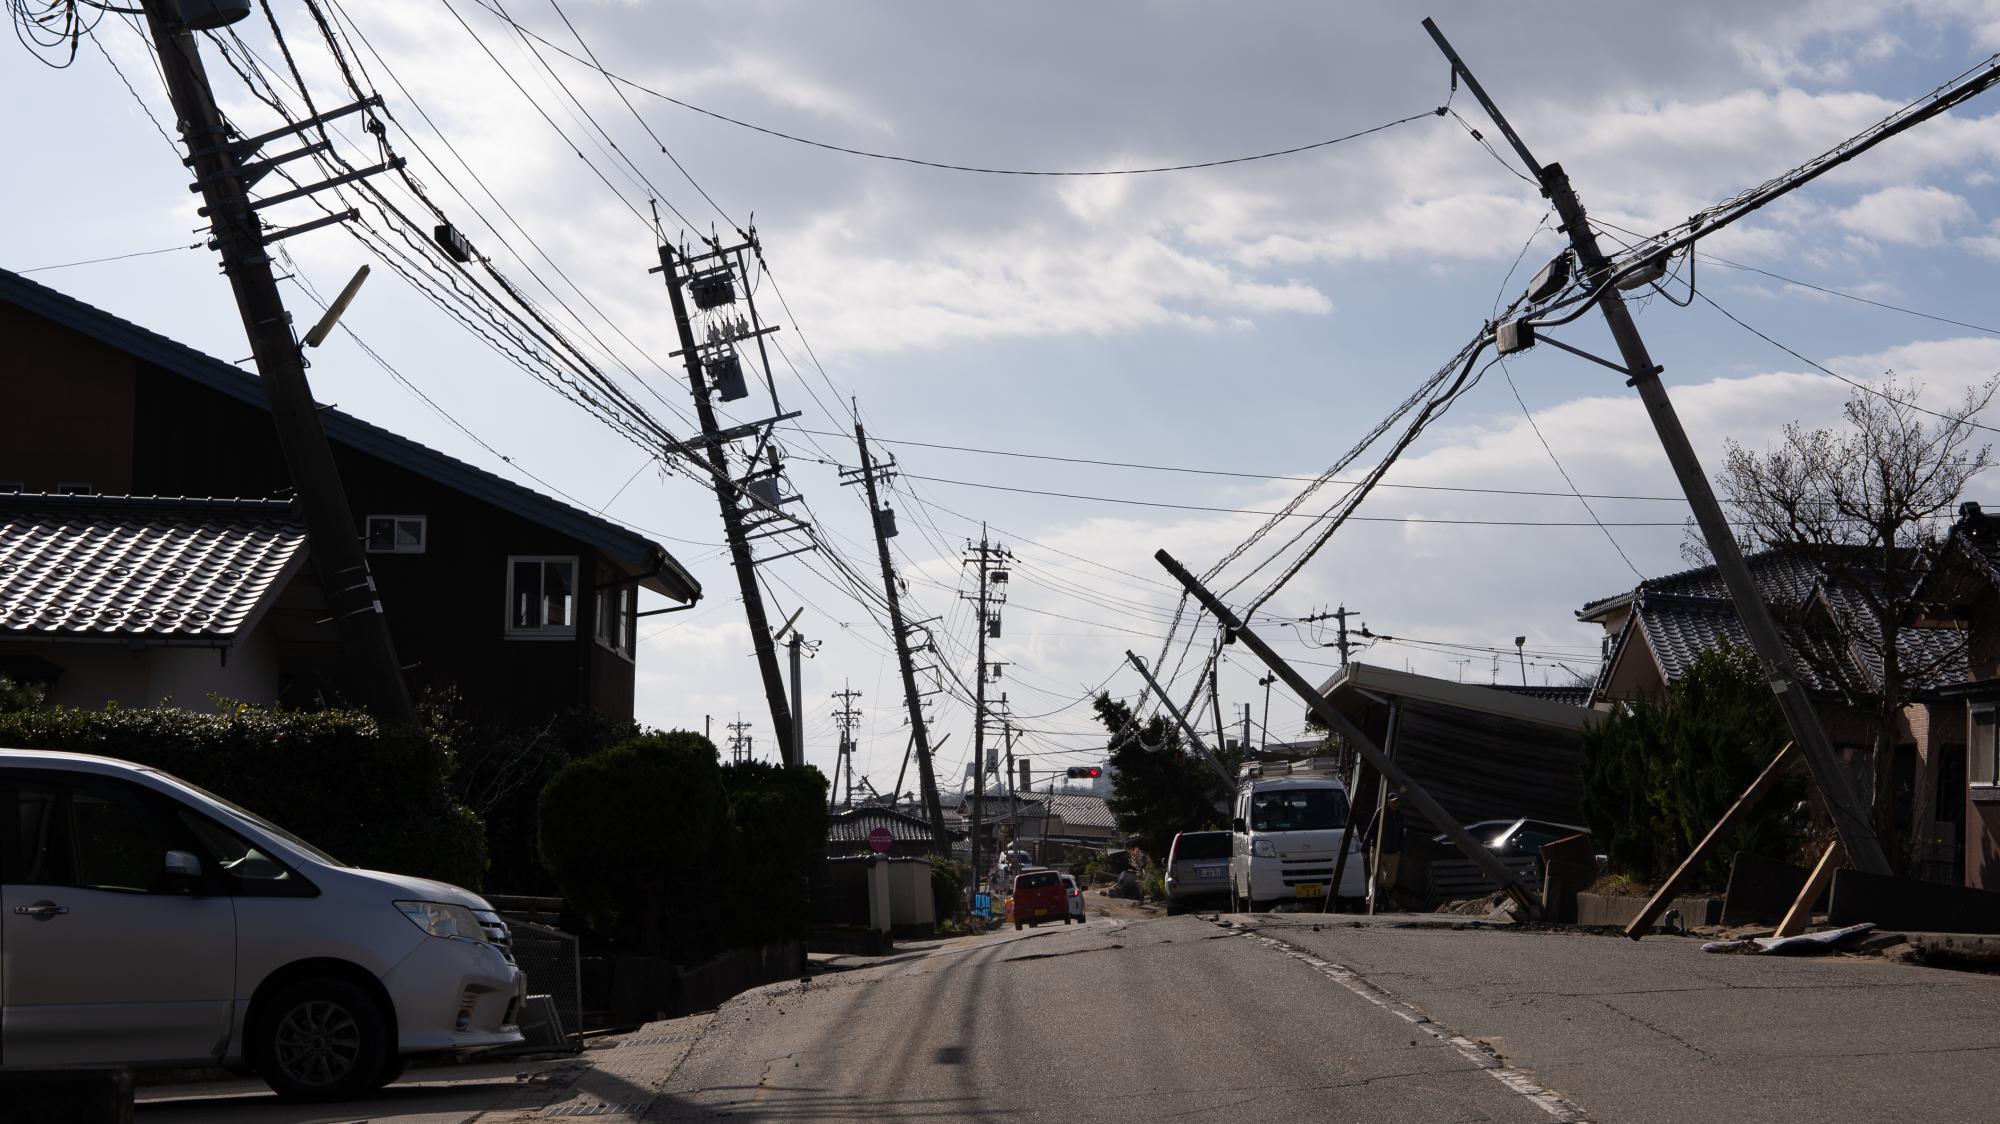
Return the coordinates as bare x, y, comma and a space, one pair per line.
1548, 1100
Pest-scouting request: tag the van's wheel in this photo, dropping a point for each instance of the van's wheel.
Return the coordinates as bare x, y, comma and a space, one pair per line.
320, 1040
1017, 926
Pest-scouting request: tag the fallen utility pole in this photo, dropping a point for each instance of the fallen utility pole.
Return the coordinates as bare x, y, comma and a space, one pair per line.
1481, 857
331, 539
729, 498
1193, 738
1850, 816
882, 520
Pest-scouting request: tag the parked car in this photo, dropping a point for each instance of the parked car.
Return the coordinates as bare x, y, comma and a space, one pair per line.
1075, 897
150, 923
1197, 869
1039, 897
1510, 838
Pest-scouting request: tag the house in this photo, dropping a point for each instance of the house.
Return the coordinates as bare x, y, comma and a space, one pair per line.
848, 832
523, 604
1961, 591
1654, 632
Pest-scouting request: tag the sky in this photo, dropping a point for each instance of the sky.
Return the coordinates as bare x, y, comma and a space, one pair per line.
1252, 320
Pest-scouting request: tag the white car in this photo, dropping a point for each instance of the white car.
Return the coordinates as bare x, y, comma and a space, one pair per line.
1075, 893
150, 923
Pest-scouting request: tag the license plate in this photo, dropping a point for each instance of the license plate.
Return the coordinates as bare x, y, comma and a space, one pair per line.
1208, 872
1309, 890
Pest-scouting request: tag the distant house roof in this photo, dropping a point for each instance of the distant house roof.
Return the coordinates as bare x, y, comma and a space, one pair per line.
1077, 809
663, 574
853, 826
143, 570
1682, 615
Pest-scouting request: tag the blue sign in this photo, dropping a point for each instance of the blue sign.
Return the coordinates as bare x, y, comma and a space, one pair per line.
982, 904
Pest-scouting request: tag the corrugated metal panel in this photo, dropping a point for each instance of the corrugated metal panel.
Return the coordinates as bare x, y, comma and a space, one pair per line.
1486, 767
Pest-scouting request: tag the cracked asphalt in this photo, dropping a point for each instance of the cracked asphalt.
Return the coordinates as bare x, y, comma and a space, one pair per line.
1284, 1018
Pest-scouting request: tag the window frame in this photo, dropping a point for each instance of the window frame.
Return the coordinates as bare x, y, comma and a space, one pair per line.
621, 600
544, 631
1986, 717
423, 534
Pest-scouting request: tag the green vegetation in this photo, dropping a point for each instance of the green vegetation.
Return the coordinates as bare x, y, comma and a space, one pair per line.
1658, 774
666, 851
1159, 789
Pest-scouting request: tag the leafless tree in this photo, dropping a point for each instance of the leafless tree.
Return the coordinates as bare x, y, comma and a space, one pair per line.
1864, 502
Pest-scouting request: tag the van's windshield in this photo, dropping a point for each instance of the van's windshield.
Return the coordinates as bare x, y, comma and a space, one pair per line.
1298, 809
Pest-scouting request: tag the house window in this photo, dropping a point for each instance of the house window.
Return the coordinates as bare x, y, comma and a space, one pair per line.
615, 619
396, 534
1982, 766
541, 597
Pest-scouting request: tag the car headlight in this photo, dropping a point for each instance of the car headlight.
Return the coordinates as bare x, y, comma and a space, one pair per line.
1264, 848
442, 919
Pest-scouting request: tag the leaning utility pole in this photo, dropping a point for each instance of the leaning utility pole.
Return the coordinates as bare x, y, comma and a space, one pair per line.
884, 521
217, 156
1339, 616
1850, 818
988, 623
713, 441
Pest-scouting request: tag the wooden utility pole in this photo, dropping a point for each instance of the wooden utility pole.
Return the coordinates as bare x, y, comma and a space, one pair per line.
732, 513
882, 520
217, 156
1850, 816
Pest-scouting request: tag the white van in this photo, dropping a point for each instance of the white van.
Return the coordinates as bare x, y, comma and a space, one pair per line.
145, 922
1287, 824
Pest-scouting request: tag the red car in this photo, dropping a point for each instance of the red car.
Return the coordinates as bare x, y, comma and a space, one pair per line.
1039, 896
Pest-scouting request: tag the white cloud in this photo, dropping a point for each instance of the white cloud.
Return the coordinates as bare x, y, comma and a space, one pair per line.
1911, 216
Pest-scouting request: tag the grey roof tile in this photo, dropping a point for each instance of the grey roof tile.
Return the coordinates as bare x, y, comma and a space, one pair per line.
144, 569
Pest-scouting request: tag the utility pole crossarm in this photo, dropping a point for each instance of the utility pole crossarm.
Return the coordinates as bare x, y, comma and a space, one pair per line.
1850, 818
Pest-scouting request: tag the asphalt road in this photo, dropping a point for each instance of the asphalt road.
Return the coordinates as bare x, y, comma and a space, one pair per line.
1272, 1019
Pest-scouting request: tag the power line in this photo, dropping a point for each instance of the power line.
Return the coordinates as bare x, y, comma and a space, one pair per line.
116, 257
593, 64
1553, 459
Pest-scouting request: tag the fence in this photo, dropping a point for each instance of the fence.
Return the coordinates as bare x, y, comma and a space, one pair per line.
551, 959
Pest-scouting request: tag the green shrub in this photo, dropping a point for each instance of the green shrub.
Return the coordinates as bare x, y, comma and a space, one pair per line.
500, 774
374, 799
1659, 774
1153, 882
631, 834
947, 887
777, 838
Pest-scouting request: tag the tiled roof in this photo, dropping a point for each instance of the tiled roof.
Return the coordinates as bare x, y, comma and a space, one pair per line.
663, 573
1080, 810
854, 826
1683, 615
1578, 695
161, 571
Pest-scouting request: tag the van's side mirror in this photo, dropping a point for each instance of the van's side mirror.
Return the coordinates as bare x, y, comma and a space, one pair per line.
181, 864
1237, 825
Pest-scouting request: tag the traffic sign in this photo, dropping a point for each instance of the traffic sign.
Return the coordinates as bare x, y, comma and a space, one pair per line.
880, 840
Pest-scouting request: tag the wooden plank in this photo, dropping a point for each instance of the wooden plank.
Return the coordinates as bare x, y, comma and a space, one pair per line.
1675, 882
1801, 911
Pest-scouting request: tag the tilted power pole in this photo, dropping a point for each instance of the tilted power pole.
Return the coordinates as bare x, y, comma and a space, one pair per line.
847, 717
731, 500
217, 156
1850, 817
883, 520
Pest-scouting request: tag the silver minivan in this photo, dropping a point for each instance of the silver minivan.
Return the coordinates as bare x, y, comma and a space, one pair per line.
145, 922
1197, 869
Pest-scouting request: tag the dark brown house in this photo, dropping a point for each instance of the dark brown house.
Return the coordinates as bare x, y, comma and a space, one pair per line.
524, 604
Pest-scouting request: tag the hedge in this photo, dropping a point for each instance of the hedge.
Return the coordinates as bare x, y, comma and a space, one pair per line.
661, 848
372, 799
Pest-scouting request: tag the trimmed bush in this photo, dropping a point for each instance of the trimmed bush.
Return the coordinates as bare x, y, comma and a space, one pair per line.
631, 834
374, 799
777, 836
948, 877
